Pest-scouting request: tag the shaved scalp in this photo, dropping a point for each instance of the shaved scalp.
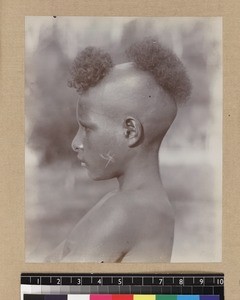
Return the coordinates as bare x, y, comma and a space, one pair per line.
167, 69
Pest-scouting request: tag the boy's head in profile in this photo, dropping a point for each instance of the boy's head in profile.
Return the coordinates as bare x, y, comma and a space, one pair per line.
124, 112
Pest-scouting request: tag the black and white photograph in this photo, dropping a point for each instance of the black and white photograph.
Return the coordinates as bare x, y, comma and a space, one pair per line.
123, 139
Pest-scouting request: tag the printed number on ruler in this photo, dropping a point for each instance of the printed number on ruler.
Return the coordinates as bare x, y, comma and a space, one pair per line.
220, 281
181, 281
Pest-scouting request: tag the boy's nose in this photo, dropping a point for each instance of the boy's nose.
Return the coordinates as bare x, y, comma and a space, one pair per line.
77, 143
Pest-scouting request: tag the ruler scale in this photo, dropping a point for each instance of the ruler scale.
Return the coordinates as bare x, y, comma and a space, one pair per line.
58, 286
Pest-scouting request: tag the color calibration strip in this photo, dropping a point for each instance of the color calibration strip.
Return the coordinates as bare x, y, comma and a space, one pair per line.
137, 286
121, 297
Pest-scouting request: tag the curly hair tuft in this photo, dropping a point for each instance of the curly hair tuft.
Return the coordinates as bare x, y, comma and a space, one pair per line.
89, 67
167, 69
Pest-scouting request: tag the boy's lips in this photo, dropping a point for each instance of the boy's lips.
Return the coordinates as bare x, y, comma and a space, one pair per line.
83, 163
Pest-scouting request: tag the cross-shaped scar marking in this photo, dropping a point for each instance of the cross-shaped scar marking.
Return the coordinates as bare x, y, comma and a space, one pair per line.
108, 157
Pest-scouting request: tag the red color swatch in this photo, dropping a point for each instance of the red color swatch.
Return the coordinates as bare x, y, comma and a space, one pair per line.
122, 297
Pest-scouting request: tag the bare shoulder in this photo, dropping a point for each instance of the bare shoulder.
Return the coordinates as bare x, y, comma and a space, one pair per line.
125, 227
128, 219
140, 212
152, 219
147, 206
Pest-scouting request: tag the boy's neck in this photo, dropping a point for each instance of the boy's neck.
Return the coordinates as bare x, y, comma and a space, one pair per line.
142, 172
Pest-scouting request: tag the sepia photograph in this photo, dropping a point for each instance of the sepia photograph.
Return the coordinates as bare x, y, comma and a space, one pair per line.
123, 139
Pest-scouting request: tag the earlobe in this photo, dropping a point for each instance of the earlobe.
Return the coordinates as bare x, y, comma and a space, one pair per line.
133, 131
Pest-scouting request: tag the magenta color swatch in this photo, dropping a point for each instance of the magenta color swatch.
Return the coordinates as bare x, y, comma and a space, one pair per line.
100, 297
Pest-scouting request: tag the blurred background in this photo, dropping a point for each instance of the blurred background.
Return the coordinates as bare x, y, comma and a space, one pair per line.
58, 190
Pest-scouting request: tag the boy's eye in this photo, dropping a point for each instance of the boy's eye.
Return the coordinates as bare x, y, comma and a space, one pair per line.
81, 125
85, 128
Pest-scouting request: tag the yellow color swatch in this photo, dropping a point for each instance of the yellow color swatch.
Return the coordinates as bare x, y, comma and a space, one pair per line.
144, 297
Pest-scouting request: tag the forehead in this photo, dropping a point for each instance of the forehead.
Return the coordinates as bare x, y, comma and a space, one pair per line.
97, 101
90, 111
87, 106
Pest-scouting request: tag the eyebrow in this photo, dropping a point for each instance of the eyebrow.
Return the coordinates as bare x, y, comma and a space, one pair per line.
84, 124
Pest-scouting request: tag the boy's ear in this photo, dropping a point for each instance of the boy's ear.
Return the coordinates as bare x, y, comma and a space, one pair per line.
133, 131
